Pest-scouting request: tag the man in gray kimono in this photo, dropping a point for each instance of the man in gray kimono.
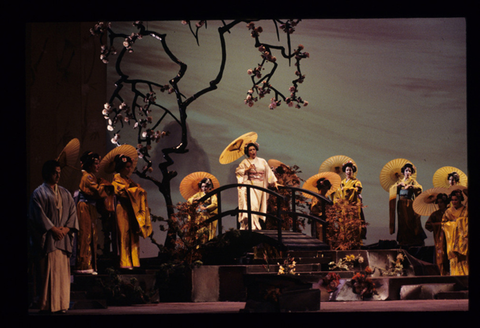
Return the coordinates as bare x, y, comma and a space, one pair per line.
53, 222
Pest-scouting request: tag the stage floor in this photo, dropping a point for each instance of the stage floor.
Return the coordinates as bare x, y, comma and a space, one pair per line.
236, 307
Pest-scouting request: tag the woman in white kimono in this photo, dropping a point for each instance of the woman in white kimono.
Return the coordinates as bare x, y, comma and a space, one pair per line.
255, 171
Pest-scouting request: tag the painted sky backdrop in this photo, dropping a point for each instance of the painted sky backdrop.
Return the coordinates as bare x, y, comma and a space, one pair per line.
378, 89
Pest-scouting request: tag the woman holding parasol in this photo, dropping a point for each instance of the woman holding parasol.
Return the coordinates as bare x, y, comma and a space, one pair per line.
325, 184
252, 170
410, 231
350, 191
132, 212
193, 187
256, 171
91, 190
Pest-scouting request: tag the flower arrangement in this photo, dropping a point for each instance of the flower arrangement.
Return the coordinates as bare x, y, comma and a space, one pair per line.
346, 263
288, 266
395, 267
362, 284
331, 281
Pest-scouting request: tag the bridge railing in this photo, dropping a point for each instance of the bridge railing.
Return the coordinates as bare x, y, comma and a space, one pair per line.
277, 216
294, 214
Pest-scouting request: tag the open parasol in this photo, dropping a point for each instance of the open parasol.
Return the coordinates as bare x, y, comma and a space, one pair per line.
189, 184
334, 164
440, 177
311, 183
392, 171
235, 149
274, 163
67, 158
107, 165
424, 204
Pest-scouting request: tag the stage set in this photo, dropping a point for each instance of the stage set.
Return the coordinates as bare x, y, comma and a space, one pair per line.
177, 210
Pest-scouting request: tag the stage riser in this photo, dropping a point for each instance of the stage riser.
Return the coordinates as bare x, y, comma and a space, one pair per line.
227, 283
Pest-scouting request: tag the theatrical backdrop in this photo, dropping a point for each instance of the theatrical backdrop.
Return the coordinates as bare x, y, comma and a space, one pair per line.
377, 90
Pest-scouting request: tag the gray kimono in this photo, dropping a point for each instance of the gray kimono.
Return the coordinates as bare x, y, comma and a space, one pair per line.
47, 211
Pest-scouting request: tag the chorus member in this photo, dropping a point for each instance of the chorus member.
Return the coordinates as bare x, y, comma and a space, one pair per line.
132, 212
207, 209
92, 189
350, 190
410, 231
434, 224
254, 171
455, 227
323, 186
53, 220
453, 178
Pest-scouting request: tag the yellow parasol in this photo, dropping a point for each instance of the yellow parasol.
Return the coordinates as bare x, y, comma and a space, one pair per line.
107, 165
274, 163
440, 177
67, 158
189, 184
392, 171
311, 183
334, 164
235, 149
424, 204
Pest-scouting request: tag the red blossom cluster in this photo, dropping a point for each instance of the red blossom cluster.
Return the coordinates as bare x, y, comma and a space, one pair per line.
289, 26
331, 281
255, 30
266, 54
363, 285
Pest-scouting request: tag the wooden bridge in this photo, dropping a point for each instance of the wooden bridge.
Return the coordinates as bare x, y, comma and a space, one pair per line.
292, 240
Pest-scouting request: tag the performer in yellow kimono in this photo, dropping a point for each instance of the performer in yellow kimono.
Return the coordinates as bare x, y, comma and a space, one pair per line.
351, 190
206, 210
410, 231
255, 171
455, 227
92, 189
434, 224
133, 214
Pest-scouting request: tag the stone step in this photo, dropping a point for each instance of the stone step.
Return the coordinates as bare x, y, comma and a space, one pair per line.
432, 291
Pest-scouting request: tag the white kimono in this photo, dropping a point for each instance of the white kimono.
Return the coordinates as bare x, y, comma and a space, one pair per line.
263, 177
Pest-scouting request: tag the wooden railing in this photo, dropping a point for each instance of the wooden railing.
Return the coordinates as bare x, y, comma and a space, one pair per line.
277, 216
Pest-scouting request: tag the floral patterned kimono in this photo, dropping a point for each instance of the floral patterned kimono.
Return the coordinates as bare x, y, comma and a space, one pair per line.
455, 227
263, 177
91, 191
350, 191
211, 205
133, 219
410, 231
